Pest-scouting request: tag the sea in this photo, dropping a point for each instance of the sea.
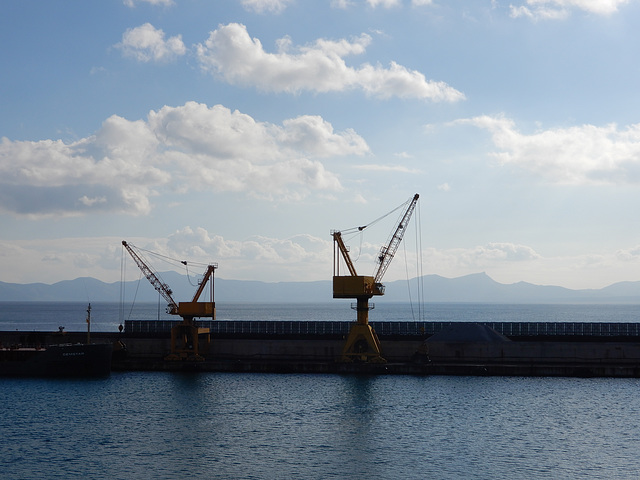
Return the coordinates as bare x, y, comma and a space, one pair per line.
159, 425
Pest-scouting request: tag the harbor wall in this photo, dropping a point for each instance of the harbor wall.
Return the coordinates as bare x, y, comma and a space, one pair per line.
274, 349
416, 352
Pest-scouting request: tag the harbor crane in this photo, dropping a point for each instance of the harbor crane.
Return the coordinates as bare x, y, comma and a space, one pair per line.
185, 336
362, 344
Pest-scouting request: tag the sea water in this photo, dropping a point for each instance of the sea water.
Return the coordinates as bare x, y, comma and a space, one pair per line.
106, 317
137, 425
270, 426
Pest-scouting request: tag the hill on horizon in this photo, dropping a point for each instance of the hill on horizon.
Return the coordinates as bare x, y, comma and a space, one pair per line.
474, 288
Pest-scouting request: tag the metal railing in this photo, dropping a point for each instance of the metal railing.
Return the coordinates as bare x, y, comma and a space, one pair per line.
405, 329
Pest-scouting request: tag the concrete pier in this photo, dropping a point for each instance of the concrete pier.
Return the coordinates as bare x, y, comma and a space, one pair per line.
611, 350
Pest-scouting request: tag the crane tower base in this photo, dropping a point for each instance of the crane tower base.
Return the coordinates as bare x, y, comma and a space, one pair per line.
362, 345
185, 342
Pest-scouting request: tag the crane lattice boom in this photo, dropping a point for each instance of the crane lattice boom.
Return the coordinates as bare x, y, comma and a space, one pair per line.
185, 336
161, 287
387, 252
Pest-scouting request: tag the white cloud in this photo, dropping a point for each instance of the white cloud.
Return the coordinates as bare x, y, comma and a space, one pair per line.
384, 3
231, 151
296, 258
386, 168
262, 6
132, 3
342, 4
89, 202
559, 9
53, 178
495, 256
60, 259
306, 258
630, 254
193, 146
510, 263
313, 134
584, 154
147, 43
539, 13
499, 252
360, 199
237, 58
292, 258
445, 187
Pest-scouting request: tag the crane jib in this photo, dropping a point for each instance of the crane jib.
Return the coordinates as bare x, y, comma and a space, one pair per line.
161, 287
354, 285
387, 252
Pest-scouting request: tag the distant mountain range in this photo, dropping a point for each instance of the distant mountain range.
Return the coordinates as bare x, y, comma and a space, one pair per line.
475, 288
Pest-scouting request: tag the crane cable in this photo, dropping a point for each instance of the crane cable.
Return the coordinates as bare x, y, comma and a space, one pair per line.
189, 276
168, 259
122, 278
419, 265
358, 230
406, 268
350, 233
419, 270
135, 295
123, 267
176, 262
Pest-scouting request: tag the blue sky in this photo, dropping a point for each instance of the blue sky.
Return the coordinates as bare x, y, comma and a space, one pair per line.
243, 131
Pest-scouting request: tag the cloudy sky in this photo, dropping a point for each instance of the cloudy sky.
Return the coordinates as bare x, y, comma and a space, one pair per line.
243, 131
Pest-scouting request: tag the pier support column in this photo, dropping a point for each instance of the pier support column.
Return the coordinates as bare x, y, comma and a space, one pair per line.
362, 344
185, 341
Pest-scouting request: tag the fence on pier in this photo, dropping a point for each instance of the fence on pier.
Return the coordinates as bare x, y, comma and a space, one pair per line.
383, 329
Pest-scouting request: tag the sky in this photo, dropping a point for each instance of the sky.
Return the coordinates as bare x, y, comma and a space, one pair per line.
243, 132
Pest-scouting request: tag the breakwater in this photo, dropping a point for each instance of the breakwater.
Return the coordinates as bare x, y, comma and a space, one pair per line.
605, 349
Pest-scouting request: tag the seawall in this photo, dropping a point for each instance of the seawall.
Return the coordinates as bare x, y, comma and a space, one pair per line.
419, 348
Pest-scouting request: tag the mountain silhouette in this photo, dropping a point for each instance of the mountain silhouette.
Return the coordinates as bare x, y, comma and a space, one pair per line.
474, 288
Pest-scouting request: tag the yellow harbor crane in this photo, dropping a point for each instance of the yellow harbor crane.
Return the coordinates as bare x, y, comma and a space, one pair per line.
362, 343
185, 337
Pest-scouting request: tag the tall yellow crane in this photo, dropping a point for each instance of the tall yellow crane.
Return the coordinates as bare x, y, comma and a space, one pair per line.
185, 337
362, 343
